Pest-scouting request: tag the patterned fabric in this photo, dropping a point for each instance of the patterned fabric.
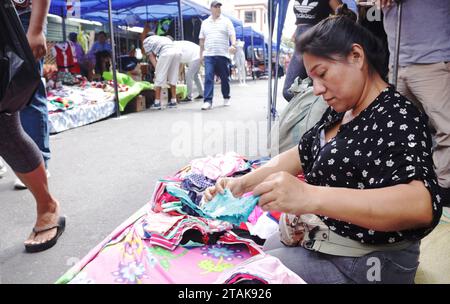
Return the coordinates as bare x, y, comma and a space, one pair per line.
127, 257
387, 144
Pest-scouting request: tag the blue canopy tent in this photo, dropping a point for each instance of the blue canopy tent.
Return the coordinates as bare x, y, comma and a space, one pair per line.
248, 33
119, 13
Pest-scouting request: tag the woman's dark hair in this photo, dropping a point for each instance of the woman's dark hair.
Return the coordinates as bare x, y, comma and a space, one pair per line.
334, 37
102, 33
343, 10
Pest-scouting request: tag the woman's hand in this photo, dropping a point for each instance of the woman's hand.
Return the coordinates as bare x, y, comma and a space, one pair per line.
236, 186
37, 44
285, 193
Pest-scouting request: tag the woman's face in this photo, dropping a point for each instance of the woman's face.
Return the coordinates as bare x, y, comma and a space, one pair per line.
101, 38
340, 82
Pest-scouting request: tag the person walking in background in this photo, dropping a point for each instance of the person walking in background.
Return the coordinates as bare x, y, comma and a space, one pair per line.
34, 117
22, 153
215, 34
424, 69
191, 58
240, 62
165, 58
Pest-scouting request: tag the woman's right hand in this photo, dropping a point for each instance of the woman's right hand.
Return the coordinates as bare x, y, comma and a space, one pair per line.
37, 44
236, 186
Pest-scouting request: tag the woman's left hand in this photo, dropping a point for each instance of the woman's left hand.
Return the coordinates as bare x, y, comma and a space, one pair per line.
285, 193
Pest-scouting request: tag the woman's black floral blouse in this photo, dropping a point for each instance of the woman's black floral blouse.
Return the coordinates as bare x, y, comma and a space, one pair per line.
387, 144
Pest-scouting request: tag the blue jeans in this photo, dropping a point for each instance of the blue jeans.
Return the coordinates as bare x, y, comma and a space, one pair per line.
34, 117
393, 267
216, 65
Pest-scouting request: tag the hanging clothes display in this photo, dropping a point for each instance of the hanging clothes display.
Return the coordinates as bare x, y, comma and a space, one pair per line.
65, 55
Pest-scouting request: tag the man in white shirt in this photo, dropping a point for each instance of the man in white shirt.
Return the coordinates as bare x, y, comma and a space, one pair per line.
191, 58
166, 60
215, 34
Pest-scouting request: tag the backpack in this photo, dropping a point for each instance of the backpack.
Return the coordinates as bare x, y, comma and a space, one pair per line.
301, 114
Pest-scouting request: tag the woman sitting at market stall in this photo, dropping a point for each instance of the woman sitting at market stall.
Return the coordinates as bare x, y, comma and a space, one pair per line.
367, 166
100, 54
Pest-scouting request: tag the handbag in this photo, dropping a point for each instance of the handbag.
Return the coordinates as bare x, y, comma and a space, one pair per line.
19, 75
310, 232
296, 230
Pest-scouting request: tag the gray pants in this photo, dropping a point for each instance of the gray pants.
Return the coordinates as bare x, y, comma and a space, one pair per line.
428, 86
192, 74
16, 147
388, 267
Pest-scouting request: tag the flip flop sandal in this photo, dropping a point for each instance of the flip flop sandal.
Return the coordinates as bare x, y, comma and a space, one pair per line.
50, 243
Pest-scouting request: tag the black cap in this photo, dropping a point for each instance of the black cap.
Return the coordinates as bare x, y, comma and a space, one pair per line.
215, 3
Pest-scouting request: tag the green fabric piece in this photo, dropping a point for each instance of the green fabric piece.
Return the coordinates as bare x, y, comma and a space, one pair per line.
182, 91
135, 87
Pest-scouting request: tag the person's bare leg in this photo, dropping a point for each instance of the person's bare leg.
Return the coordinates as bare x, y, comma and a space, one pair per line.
173, 91
158, 93
47, 206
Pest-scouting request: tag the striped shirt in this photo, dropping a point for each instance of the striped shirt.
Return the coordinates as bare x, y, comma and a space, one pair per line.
157, 44
217, 35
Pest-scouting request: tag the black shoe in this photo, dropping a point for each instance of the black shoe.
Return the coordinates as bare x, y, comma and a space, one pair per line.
199, 97
187, 99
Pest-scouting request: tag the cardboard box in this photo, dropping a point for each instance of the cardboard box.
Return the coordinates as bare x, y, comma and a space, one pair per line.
136, 105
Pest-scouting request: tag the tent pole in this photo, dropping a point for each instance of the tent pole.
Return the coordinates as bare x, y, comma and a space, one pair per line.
397, 42
180, 21
253, 54
113, 47
269, 62
63, 24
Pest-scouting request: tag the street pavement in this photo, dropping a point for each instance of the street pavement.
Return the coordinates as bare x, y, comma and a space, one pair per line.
104, 172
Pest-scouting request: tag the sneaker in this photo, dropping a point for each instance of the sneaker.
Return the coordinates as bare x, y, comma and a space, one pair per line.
187, 99
206, 106
3, 168
226, 102
199, 97
172, 104
18, 185
155, 106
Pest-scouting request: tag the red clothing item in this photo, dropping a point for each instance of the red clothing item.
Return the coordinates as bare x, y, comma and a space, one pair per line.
65, 57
